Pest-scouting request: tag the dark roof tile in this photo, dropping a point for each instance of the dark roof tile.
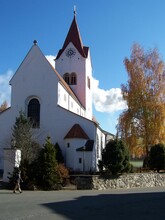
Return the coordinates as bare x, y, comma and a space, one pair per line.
76, 132
74, 37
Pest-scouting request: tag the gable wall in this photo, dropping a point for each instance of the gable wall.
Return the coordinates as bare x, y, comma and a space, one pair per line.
35, 78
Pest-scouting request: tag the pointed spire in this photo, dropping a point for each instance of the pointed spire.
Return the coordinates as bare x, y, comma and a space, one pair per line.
74, 37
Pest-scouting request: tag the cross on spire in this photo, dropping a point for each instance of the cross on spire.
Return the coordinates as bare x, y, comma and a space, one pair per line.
74, 10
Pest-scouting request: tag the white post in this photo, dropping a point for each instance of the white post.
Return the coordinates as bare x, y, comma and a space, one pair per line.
12, 158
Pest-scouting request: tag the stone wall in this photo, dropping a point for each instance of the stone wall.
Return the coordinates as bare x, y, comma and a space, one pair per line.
123, 181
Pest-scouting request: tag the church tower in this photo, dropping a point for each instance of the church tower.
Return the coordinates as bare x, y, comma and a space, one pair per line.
73, 62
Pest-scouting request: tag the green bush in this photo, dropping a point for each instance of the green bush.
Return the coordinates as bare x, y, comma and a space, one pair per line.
115, 157
63, 174
157, 157
47, 176
59, 156
45, 172
29, 174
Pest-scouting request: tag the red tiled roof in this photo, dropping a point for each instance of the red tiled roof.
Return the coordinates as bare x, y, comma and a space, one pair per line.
74, 37
76, 132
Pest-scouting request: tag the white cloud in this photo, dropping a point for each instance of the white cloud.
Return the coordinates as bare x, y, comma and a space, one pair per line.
51, 58
5, 90
107, 100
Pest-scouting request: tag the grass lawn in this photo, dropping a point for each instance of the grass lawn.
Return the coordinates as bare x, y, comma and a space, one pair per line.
137, 163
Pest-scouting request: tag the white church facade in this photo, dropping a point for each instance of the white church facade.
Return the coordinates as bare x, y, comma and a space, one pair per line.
58, 99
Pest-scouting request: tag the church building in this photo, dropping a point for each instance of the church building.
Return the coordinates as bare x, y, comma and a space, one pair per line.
58, 99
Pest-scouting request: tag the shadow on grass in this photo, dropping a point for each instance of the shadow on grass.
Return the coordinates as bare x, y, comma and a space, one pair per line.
136, 206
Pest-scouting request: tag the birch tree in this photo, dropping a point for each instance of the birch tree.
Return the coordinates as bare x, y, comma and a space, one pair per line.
143, 123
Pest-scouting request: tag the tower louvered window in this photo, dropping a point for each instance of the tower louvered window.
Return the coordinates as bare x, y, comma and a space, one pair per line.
73, 79
67, 78
70, 79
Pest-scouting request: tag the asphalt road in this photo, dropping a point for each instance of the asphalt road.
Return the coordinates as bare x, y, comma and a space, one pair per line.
125, 204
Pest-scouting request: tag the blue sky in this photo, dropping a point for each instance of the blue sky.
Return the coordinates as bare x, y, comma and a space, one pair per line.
108, 27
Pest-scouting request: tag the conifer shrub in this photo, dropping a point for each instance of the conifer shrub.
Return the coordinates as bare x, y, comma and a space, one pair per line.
23, 138
59, 156
115, 157
28, 173
47, 176
157, 157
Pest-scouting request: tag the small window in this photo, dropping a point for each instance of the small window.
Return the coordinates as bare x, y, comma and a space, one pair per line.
65, 99
67, 78
73, 79
68, 145
89, 83
80, 160
34, 112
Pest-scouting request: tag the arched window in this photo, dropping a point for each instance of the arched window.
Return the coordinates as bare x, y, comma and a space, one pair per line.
73, 79
67, 78
34, 112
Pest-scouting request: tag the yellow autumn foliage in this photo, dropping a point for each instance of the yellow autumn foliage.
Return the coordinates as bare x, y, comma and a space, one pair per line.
143, 123
3, 106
